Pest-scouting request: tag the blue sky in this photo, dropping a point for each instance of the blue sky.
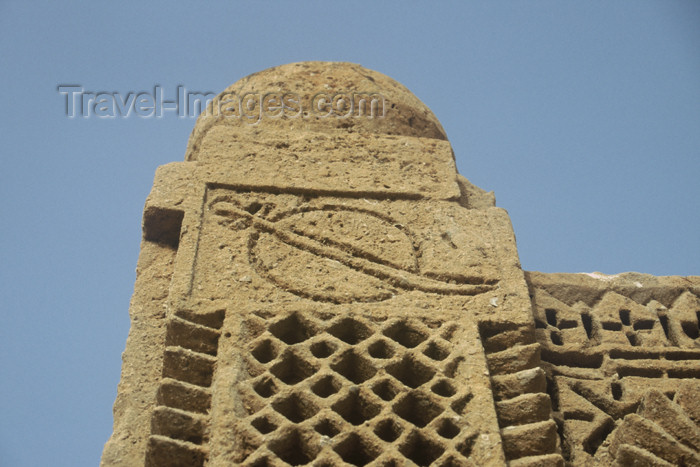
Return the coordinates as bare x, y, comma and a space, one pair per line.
583, 117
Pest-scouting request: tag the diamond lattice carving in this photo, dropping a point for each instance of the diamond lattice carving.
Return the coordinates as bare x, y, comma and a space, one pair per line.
352, 389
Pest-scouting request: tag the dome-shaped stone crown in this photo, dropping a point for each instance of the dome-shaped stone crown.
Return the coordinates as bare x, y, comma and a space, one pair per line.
317, 96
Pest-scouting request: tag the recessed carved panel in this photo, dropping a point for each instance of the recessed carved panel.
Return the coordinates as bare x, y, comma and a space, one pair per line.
352, 389
339, 249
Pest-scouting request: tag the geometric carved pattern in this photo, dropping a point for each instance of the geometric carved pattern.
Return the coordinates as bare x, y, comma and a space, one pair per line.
523, 407
616, 319
352, 390
179, 422
624, 377
659, 431
620, 378
648, 428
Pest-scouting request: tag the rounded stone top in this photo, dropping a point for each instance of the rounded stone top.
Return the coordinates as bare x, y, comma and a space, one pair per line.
331, 97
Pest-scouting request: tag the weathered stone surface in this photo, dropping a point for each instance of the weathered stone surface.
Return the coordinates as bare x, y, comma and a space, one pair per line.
325, 289
323, 298
232, 117
622, 356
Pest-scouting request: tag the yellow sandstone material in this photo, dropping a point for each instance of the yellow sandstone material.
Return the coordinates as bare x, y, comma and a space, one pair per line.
318, 285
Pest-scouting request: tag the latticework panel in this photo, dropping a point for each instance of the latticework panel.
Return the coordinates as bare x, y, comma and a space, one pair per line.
352, 389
